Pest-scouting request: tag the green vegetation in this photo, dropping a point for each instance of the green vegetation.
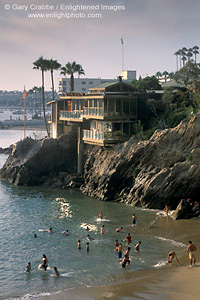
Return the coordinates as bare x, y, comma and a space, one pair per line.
166, 109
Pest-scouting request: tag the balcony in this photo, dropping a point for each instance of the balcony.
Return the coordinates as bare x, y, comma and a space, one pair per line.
94, 112
71, 115
98, 138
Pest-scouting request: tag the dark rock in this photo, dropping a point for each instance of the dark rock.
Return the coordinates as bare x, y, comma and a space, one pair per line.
32, 160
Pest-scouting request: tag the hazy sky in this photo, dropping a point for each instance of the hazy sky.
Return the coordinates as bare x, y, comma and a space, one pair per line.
152, 31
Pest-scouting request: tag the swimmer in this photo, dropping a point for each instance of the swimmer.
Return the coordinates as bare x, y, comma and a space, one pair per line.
87, 228
66, 232
87, 247
102, 229
119, 229
35, 235
128, 239
56, 272
90, 238
101, 215
50, 230
28, 267
137, 247
171, 256
44, 262
119, 251
79, 244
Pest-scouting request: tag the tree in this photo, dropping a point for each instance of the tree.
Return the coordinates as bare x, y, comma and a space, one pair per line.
195, 51
189, 76
42, 65
147, 83
71, 69
158, 75
165, 73
53, 65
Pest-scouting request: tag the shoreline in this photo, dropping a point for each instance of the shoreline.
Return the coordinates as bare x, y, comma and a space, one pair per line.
167, 282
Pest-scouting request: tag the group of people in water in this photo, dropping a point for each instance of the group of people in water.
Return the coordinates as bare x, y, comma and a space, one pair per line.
118, 247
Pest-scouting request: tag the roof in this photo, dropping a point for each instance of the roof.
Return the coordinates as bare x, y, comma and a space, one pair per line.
172, 83
104, 85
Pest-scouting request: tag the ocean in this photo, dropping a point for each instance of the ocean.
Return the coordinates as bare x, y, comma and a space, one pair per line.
25, 211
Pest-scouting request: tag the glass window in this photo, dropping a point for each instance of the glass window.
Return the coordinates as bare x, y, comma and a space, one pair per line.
100, 103
126, 106
90, 103
83, 89
90, 82
83, 82
64, 83
95, 102
118, 106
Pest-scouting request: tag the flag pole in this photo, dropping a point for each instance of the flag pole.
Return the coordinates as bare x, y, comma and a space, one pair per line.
122, 43
25, 94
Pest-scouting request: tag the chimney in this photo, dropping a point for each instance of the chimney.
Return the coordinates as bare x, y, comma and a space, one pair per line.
119, 78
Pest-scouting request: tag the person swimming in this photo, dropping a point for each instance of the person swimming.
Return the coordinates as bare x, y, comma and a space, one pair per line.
101, 215
87, 247
90, 238
66, 232
137, 247
56, 272
102, 229
79, 244
119, 229
28, 267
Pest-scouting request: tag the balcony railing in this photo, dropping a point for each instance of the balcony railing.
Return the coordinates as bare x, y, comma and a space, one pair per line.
97, 135
71, 114
98, 112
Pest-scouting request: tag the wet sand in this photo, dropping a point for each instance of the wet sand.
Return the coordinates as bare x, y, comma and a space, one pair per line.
167, 283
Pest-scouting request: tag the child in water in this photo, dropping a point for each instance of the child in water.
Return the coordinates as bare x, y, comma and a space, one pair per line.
28, 267
79, 244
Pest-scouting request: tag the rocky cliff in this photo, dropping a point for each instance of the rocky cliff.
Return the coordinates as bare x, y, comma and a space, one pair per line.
38, 161
162, 170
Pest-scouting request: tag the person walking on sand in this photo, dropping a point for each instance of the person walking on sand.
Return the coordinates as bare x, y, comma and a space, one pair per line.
190, 251
171, 256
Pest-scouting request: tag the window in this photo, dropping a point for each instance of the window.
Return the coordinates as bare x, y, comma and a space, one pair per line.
83, 89
83, 82
64, 83
90, 82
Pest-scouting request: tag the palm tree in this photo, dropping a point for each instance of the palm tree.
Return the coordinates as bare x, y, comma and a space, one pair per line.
53, 65
177, 54
42, 64
184, 58
189, 54
70, 69
195, 51
171, 75
158, 75
165, 73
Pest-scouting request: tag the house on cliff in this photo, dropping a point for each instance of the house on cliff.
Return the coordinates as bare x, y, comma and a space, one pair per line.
108, 110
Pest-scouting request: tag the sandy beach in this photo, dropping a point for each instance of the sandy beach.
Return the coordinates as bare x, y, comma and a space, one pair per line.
167, 283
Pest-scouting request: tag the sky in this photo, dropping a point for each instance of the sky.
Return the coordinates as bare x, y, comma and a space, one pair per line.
152, 31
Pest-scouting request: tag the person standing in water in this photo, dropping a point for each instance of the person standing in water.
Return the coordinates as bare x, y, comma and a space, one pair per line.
191, 252
128, 239
102, 229
127, 254
133, 219
79, 244
119, 251
87, 247
44, 262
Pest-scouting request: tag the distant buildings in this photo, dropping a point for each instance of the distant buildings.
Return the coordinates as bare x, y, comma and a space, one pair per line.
82, 85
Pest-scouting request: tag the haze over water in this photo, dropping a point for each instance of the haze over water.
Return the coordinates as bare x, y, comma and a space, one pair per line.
26, 210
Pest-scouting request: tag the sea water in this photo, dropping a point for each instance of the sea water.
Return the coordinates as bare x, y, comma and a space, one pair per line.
25, 211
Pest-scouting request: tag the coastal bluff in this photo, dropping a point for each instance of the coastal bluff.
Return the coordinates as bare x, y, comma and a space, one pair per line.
33, 162
162, 170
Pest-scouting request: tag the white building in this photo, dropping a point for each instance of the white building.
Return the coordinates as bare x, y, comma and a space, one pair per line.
82, 85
